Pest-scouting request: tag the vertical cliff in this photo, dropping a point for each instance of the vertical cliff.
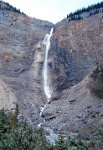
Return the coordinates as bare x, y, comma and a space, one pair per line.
78, 47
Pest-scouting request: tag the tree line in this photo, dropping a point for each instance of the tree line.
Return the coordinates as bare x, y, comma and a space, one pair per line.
7, 6
93, 9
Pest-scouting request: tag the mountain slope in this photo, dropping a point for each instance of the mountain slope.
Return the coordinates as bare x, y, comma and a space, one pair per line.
76, 49
20, 60
82, 44
77, 109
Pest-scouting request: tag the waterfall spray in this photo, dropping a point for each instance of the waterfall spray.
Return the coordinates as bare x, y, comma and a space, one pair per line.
47, 87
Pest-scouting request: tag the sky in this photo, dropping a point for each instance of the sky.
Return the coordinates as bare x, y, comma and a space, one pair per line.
51, 10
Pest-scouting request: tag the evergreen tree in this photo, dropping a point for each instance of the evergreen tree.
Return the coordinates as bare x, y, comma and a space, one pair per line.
93, 9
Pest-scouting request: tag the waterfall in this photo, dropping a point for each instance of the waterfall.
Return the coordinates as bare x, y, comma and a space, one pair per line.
52, 137
47, 86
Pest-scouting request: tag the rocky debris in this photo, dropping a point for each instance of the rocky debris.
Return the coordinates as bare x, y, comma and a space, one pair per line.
96, 81
49, 114
7, 97
72, 101
85, 111
76, 48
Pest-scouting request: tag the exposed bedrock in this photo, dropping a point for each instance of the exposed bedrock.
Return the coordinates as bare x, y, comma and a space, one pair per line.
76, 48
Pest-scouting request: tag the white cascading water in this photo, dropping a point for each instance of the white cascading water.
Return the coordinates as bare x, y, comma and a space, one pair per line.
52, 137
47, 86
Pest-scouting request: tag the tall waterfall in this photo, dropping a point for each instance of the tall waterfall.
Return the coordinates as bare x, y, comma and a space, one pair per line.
52, 137
47, 86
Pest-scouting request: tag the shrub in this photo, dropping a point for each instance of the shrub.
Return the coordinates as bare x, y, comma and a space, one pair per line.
19, 135
15, 135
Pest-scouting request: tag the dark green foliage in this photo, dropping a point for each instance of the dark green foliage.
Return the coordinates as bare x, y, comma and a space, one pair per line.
67, 16
99, 132
7, 6
16, 135
93, 9
61, 144
96, 11
77, 17
98, 139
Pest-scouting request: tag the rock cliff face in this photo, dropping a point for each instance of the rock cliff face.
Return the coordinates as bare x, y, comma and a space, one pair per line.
79, 46
76, 49
21, 61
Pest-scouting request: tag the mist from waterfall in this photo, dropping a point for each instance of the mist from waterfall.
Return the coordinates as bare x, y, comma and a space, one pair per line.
47, 87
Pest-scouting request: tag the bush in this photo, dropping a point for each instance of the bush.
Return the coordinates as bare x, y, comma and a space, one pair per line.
15, 135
